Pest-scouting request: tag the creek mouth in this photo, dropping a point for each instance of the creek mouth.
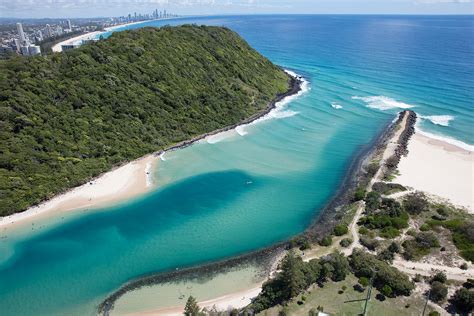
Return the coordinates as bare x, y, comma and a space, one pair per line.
268, 257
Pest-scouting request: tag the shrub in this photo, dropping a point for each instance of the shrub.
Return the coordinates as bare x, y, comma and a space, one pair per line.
340, 230
369, 243
364, 265
326, 241
463, 300
439, 277
433, 313
301, 242
415, 203
469, 284
372, 201
364, 281
386, 290
427, 240
387, 188
411, 232
443, 210
394, 247
386, 255
425, 227
346, 242
359, 194
462, 232
372, 169
363, 230
417, 278
389, 232
439, 291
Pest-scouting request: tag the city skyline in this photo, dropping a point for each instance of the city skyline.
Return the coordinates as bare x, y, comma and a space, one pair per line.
106, 8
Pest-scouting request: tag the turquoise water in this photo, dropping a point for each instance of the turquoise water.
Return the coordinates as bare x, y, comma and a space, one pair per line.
259, 184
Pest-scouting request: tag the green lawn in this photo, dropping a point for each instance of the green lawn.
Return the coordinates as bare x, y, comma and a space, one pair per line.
336, 304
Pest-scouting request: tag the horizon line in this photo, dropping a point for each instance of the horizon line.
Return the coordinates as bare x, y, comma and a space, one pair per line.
256, 14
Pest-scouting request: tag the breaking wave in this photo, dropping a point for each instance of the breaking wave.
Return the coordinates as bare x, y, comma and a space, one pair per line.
442, 120
382, 103
336, 106
280, 111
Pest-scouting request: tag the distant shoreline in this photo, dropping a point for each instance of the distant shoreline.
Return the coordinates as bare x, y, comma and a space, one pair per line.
92, 35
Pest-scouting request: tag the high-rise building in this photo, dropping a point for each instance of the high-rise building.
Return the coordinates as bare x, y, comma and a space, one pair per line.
19, 28
59, 30
17, 44
49, 31
164, 13
69, 26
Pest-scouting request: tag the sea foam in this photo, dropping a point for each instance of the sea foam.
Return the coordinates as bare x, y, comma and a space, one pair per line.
442, 120
336, 106
382, 103
162, 156
445, 139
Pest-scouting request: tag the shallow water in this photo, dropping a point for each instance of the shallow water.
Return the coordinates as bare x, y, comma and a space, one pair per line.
172, 294
260, 184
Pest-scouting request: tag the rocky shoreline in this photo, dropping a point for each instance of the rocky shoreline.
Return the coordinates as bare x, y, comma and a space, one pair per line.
356, 175
294, 88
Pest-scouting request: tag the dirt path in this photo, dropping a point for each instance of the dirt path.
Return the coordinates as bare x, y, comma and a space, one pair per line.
427, 269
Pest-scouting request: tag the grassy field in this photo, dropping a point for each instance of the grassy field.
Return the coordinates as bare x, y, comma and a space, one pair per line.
336, 302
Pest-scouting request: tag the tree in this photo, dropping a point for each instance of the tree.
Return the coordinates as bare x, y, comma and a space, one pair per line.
340, 266
292, 275
415, 203
372, 201
326, 241
386, 290
364, 281
364, 264
340, 230
191, 308
439, 291
119, 99
346, 242
463, 300
360, 194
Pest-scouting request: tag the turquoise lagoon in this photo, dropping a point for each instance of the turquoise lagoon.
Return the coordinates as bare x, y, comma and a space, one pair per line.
259, 184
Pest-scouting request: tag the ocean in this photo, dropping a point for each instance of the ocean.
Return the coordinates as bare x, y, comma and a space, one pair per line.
262, 183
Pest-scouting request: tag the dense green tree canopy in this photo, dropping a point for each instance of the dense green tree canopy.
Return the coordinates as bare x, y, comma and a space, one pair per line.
68, 117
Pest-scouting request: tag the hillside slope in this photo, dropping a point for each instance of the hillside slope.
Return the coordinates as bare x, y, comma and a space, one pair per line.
68, 117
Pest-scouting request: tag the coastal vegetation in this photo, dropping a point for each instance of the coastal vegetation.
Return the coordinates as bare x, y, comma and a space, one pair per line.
66, 118
296, 276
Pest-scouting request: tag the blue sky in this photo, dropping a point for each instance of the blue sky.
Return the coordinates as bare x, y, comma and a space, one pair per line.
89, 8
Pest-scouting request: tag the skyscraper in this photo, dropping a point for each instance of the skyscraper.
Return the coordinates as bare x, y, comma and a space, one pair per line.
19, 28
69, 26
49, 31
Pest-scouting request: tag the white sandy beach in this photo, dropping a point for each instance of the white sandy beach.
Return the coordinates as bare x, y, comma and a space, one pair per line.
120, 184
91, 35
88, 36
439, 168
223, 303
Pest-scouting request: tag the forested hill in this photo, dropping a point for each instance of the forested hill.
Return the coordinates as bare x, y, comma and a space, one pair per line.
68, 117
